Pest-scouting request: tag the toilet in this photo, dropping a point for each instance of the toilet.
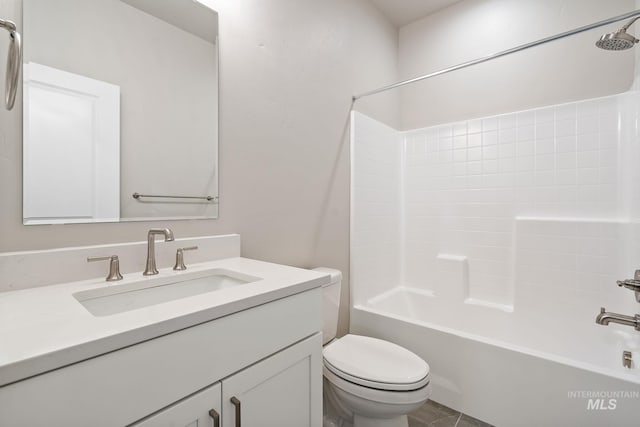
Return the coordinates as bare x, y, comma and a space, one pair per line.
368, 382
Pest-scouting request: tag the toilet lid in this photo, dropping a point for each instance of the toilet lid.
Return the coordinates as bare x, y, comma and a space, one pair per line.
375, 363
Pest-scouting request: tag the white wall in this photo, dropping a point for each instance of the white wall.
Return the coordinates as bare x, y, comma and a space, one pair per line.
562, 71
288, 71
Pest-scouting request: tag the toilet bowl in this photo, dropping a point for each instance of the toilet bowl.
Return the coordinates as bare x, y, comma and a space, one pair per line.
368, 382
373, 383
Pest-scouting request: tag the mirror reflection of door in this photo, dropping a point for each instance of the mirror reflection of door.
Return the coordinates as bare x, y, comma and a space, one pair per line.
71, 147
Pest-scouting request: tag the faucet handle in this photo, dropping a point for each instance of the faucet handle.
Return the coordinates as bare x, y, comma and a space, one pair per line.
180, 257
632, 284
114, 266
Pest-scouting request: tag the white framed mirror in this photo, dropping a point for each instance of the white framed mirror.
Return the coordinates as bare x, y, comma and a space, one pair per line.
120, 111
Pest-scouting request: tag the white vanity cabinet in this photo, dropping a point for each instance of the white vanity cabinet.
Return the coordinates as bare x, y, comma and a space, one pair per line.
279, 391
268, 357
201, 409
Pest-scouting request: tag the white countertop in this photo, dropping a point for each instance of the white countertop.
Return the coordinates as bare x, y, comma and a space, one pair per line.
45, 328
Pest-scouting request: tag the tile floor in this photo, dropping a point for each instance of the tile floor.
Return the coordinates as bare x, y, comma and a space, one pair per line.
433, 414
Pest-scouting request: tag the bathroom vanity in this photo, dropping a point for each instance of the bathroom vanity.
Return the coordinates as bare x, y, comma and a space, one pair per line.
244, 354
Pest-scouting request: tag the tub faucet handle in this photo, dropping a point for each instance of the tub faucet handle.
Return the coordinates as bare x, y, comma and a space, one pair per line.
180, 257
114, 266
632, 284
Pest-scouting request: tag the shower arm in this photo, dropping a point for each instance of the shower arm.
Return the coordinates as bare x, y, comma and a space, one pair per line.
8, 25
634, 14
14, 60
630, 23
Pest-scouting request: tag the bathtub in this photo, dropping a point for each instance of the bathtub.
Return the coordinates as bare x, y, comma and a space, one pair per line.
535, 368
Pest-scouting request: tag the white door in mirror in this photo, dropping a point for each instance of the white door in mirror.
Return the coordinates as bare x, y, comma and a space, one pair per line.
71, 147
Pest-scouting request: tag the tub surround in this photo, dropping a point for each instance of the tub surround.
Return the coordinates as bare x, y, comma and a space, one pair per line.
501, 237
45, 328
529, 213
501, 191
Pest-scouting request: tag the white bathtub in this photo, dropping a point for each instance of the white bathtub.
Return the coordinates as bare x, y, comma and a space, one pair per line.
531, 370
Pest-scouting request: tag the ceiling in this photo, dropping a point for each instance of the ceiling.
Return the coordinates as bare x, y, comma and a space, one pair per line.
188, 15
402, 12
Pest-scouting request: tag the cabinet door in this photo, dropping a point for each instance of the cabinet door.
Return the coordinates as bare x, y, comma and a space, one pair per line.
284, 390
199, 410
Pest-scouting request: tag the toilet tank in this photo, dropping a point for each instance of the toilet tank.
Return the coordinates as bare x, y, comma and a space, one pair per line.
330, 303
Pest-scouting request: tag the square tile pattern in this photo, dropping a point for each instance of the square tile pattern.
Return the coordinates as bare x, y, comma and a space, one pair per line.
512, 193
464, 183
433, 414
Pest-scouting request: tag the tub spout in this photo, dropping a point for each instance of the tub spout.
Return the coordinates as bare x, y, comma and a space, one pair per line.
605, 318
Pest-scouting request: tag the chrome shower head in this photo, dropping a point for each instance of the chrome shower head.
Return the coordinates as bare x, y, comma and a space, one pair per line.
619, 40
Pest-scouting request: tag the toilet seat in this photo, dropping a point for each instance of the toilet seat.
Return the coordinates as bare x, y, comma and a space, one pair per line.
377, 396
375, 364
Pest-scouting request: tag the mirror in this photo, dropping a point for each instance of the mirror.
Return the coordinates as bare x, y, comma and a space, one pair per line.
120, 100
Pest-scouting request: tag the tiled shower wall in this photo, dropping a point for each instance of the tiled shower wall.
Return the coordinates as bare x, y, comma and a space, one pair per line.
376, 206
542, 198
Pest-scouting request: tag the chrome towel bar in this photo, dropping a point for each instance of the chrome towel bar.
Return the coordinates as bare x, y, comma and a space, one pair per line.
138, 196
14, 60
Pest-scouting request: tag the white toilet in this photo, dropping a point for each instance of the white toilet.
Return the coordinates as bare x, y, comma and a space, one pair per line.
368, 382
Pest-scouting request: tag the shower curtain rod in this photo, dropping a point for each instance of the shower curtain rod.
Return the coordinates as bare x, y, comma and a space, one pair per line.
503, 53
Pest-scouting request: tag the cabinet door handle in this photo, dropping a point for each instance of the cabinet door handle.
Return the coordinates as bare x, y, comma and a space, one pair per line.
216, 417
236, 403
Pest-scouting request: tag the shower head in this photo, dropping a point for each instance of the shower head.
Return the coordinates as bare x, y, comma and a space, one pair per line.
619, 40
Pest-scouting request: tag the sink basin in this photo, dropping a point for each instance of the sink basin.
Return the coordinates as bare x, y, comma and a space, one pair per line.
115, 299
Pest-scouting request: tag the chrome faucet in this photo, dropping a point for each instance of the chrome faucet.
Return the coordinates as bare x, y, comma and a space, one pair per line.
605, 318
151, 269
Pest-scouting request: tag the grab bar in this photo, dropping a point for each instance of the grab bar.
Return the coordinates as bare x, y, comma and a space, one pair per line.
137, 196
14, 59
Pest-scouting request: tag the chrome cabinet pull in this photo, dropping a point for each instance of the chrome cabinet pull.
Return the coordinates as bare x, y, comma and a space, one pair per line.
216, 417
236, 403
